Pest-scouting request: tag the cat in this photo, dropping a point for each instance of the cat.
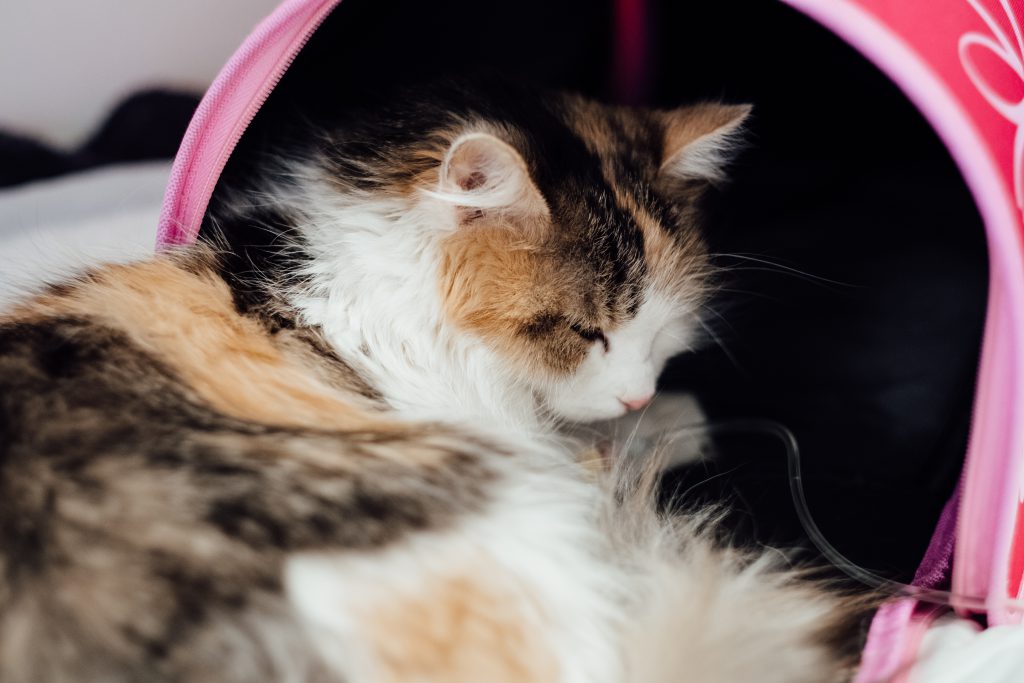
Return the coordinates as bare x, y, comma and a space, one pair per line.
325, 445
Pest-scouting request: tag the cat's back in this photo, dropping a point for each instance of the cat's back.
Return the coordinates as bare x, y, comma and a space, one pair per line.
190, 493
170, 325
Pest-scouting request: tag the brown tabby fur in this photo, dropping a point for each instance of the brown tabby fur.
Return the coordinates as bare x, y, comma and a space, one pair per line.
138, 394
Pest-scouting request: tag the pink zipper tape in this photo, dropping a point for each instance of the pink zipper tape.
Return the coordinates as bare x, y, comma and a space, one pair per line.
226, 111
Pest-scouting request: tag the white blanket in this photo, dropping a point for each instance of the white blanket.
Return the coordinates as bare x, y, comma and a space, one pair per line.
55, 227
957, 651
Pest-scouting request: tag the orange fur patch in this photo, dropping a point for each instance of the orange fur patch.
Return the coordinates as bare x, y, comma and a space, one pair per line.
489, 278
462, 629
494, 281
184, 316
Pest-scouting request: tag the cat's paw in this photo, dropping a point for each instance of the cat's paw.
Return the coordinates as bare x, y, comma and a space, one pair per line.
668, 412
672, 428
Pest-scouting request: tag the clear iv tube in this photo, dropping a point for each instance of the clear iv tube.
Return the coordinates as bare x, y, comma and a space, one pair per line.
851, 569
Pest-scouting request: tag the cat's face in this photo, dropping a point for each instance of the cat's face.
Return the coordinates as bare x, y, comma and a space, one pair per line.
578, 256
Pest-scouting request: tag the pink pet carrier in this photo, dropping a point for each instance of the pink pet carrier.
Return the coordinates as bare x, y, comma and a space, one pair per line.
961, 62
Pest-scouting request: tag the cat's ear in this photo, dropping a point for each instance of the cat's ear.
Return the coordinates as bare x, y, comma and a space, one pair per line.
484, 174
699, 142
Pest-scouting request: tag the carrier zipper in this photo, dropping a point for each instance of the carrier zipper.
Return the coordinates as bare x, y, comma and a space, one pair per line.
192, 223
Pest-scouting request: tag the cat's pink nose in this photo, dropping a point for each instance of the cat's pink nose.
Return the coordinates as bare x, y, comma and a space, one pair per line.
636, 403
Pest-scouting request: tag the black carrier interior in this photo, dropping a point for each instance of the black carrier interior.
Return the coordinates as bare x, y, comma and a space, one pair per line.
863, 340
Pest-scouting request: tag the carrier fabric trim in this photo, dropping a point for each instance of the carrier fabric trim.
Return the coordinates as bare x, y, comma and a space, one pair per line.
226, 110
924, 46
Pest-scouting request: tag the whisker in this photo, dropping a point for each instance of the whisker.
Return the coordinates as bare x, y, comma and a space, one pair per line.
747, 292
718, 315
779, 267
706, 480
782, 271
715, 338
721, 345
636, 428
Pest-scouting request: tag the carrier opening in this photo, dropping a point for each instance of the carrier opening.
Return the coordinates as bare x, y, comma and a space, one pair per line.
855, 300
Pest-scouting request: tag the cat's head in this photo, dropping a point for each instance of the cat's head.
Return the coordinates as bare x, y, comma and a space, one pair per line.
493, 247
574, 247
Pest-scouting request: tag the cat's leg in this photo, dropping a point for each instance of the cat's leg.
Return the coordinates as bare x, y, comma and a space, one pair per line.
667, 414
672, 428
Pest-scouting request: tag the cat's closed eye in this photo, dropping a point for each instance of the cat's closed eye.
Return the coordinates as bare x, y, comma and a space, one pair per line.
590, 334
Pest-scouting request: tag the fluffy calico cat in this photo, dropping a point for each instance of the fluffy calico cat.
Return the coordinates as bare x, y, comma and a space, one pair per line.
327, 452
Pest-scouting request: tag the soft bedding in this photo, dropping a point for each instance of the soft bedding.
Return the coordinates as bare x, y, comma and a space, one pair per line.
53, 227
957, 651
